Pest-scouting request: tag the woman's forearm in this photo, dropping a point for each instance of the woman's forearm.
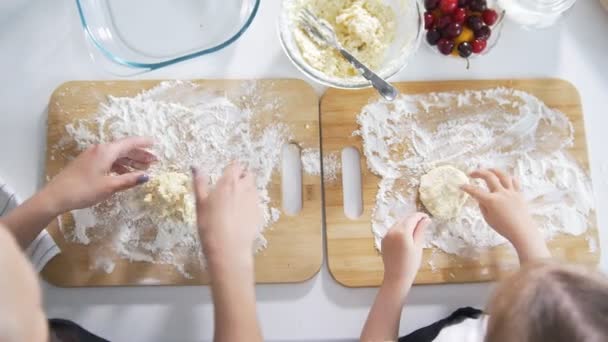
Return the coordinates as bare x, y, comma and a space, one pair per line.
27, 220
383, 320
233, 289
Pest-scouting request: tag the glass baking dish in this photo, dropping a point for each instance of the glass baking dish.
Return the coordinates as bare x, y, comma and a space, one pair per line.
134, 36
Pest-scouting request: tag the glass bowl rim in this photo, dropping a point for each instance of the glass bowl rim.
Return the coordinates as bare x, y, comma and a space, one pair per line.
151, 66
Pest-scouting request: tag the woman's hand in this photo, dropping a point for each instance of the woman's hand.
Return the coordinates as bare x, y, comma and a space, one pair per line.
229, 217
88, 179
402, 249
505, 209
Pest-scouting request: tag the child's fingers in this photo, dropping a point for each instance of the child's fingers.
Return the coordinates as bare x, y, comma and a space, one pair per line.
490, 178
410, 222
505, 179
477, 193
420, 229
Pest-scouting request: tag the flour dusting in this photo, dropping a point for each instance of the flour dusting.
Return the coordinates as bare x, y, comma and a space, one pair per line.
104, 264
501, 128
83, 219
192, 126
311, 163
592, 244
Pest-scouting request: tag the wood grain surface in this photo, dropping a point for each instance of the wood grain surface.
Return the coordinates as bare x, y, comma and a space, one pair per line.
294, 252
352, 258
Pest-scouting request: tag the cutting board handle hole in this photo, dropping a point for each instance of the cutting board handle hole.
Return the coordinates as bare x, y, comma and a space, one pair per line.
351, 183
291, 179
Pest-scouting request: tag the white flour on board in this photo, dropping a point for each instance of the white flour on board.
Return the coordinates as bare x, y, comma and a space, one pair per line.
311, 163
191, 126
105, 264
501, 128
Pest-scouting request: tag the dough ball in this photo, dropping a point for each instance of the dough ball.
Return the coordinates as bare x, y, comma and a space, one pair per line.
440, 191
169, 195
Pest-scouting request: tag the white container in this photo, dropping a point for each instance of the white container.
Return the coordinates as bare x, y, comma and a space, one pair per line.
535, 14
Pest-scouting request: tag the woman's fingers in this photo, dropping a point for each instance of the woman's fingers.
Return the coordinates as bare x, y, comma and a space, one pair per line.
233, 172
489, 177
134, 164
516, 184
505, 179
120, 169
126, 181
141, 155
476, 192
122, 147
248, 180
201, 184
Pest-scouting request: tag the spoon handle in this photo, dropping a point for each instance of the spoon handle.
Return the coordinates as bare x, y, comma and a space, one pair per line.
385, 89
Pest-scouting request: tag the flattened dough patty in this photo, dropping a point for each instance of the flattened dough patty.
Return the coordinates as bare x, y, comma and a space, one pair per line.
440, 191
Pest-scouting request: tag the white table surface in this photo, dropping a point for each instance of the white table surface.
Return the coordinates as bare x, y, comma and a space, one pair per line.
42, 45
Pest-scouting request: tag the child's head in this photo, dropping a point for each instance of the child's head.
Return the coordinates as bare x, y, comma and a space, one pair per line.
550, 302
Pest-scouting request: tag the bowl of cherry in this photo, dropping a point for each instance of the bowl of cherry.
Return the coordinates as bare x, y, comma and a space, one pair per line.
462, 28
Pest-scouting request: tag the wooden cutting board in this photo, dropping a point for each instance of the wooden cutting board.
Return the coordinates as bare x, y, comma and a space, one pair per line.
294, 252
352, 257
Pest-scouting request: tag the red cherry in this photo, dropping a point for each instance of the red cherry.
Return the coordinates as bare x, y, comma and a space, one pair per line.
444, 21
479, 45
429, 20
452, 31
445, 46
448, 6
483, 33
459, 15
431, 4
489, 17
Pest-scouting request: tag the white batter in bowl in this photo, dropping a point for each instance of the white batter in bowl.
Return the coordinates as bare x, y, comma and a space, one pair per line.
408, 31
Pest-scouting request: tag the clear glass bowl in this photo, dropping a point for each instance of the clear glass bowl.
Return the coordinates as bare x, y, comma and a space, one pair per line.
536, 14
410, 27
492, 41
141, 35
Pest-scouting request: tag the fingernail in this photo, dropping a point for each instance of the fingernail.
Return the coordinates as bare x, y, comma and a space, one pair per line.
142, 179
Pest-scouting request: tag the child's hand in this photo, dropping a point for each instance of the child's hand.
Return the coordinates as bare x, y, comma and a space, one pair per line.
506, 210
402, 248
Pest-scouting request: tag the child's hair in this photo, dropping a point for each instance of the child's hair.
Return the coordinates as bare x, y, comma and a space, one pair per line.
550, 302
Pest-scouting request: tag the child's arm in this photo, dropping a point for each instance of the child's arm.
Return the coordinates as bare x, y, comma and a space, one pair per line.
506, 210
402, 255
